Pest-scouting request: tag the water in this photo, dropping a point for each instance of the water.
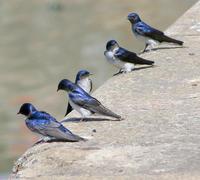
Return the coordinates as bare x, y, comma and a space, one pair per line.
45, 41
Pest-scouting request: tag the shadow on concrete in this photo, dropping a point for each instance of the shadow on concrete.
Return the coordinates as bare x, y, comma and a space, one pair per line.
145, 67
136, 69
77, 120
54, 140
162, 48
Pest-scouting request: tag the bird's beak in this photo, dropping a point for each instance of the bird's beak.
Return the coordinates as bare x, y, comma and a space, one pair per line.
128, 18
58, 89
18, 113
91, 74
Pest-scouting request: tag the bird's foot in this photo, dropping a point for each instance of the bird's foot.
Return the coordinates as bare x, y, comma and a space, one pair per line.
40, 141
120, 72
82, 119
145, 49
121, 119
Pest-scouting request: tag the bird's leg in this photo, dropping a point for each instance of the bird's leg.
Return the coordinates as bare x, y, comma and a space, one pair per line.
82, 118
40, 141
146, 45
120, 71
132, 69
151, 44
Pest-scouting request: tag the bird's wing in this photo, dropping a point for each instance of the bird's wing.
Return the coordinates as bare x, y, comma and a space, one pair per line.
131, 57
84, 100
40, 125
58, 131
91, 104
100, 109
125, 55
53, 129
146, 30
43, 115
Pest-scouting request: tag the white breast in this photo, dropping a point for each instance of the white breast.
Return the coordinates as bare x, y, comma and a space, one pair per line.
109, 55
112, 60
85, 84
124, 66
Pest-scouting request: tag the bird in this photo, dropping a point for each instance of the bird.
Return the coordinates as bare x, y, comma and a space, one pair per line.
44, 124
150, 35
82, 80
82, 102
122, 58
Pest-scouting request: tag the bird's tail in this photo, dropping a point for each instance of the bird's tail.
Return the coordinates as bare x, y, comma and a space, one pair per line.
104, 111
80, 138
69, 136
77, 138
171, 40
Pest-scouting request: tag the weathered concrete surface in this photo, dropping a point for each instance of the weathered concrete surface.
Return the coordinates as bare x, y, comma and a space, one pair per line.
160, 136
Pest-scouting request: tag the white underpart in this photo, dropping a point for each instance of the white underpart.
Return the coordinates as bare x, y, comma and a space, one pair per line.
124, 66
152, 43
128, 67
82, 111
46, 138
85, 84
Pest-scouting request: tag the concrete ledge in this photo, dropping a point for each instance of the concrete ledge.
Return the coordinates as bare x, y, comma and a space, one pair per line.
160, 136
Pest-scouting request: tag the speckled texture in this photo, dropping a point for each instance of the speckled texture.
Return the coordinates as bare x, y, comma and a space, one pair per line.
159, 137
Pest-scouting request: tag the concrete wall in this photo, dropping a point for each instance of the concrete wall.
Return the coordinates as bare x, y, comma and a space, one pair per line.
160, 135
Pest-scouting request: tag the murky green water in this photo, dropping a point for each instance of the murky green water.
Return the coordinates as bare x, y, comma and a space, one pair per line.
42, 42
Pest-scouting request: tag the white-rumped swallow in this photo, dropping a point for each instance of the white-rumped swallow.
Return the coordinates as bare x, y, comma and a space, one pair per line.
150, 35
83, 80
82, 102
44, 124
122, 58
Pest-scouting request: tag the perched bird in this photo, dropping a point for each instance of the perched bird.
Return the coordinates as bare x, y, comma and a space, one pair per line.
82, 102
150, 35
122, 58
44, 124
82, 80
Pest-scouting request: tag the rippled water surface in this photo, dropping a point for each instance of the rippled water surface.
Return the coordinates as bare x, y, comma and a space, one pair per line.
42, 42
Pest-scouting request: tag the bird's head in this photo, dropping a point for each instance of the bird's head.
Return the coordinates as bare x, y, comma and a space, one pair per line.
66, 85
133, 18
27, 109
112, 44
82, 74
